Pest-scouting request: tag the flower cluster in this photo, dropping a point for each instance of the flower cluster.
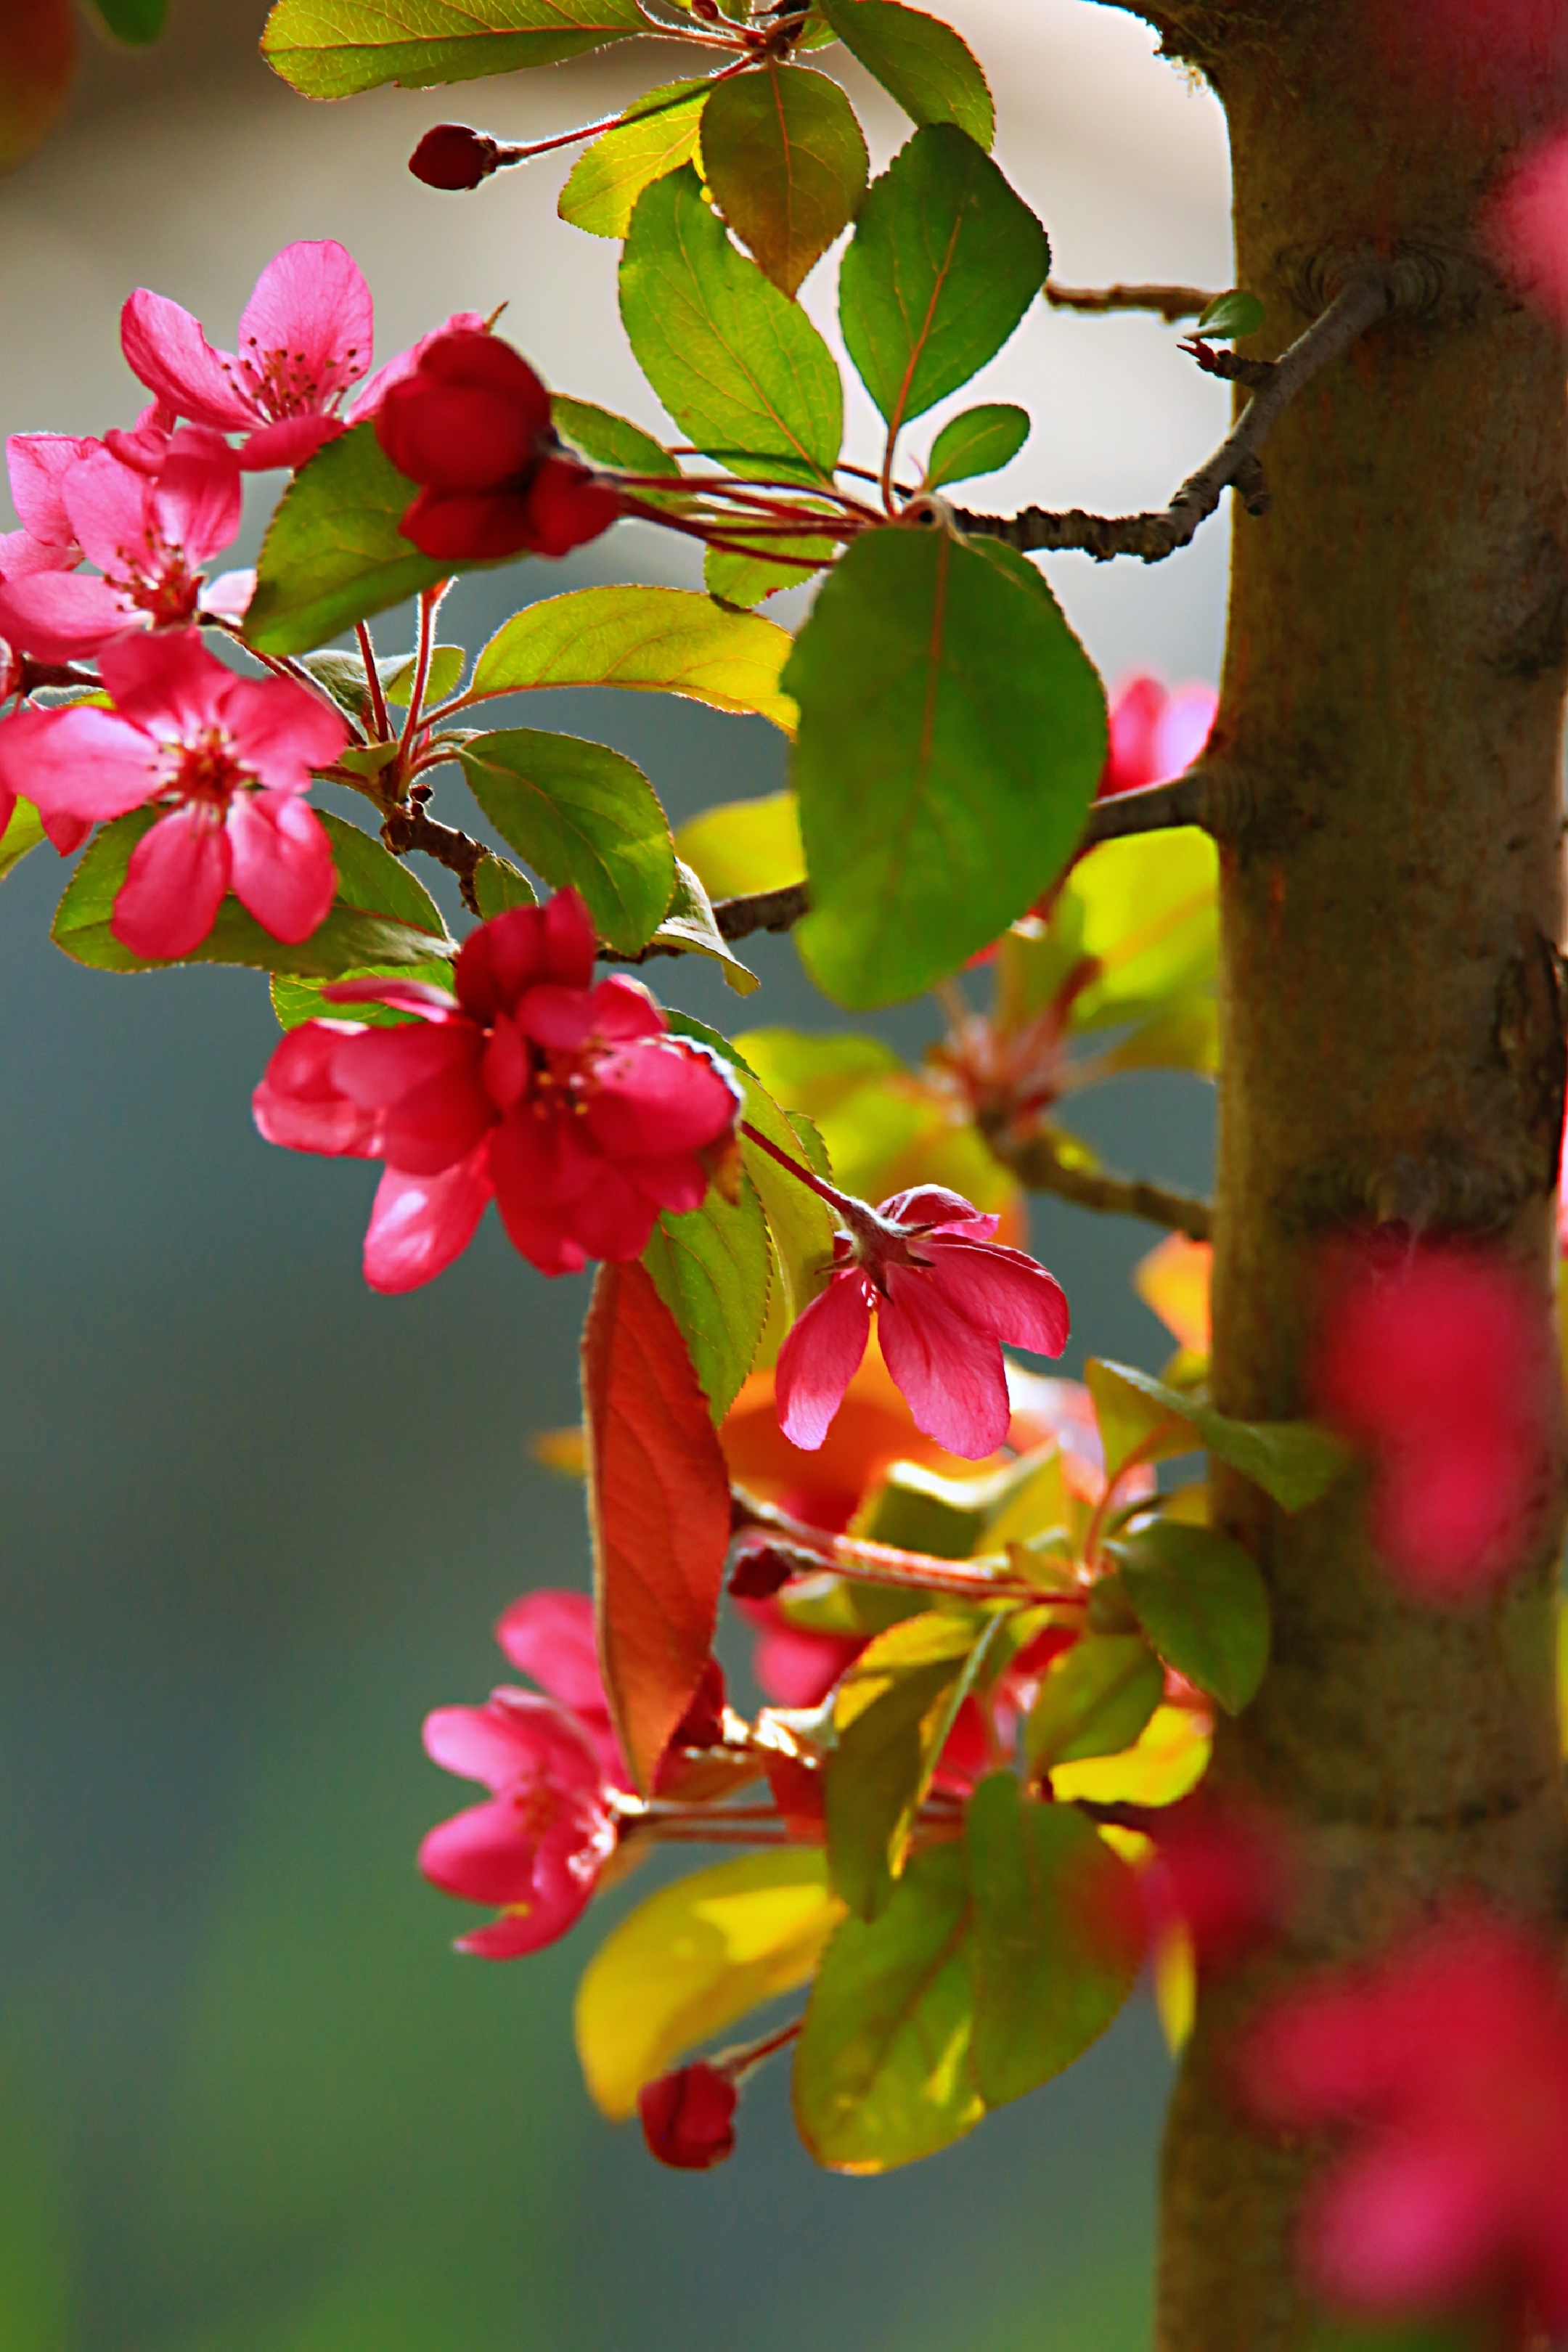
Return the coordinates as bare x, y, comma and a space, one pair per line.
568, 1104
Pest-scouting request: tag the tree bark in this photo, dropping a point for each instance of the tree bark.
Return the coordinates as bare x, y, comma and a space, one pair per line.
1392, 1029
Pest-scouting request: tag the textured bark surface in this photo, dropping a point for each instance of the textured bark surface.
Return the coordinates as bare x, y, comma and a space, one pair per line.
1393, 1039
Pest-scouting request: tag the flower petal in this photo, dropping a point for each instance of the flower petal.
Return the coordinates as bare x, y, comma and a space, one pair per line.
288, 443
282, 732
37, 464
516, 1738
165, 347
299, 1104
108, 507
420, 1224
282, 863
173, 885
368, 397
86, 764
63, 615
1408, 2224
485, 1855
167, 684
1001, 1291
820, 1358
197, 499
469, 526
951, 1374
380, 1067
550, 1635
659, 1098
309, 324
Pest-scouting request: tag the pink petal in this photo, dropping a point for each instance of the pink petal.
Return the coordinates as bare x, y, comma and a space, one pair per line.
1181, 731
569, 941
999, 1290
1135, 710
165, 347
174, 884
485, 1855
167, 684
1407, 2225
64, 615
282, 732
550, 1635
288, 443
611, 1217
415, 996
951, 1374
519, 1932
299, 1103
442, 1121
37, 464
517, 1737
21, 555
81, 762
657, 1099
676, 1179
820, 1358
368, 399
935, 1205
379, 1067
618, 1010
283, 869
228, 597
311, 311
420, 1224
110, 507
197, 501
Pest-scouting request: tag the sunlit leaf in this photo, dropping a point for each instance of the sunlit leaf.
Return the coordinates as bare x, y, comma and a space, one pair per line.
1135, 1425
136, 21
889, 1715
920, 61
711, 1268
739, 366
1057, 1937
688, 924
786, 162
498, 886
648, 640
692, 1960
944, 261
1293, 1461
607, 439
778, 563
1093, 1700
883, 2074
333, 553
1165, 1763
1201, 1601
583, 815
979, 441
24, 832
655, 135
328, 49
743, 847
951, 734
1150, 921
658, 1510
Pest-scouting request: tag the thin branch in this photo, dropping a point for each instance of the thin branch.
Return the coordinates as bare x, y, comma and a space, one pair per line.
1171, 302
1193, 798
1039, 1168
411, 828
1369, 297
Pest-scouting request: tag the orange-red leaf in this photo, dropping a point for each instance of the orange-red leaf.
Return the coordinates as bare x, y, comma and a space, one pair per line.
658, 1506
37, 58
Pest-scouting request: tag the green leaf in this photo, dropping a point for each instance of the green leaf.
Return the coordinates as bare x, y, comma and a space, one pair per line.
917, 1509
711, 1267
1203, 1604
689, 924
25, 832
1293, 1461
883, 2072
606, 440
330, 48
1231, 316
498, 886
801, 1224
656, 134
891, 1723
137, 21
743, 847
920, 61
979, 441
1093, 1700
1150, 921
693, 1959
786, 162
650, 640
1057, 1940
296, 999
944, 261
446, 666
333, 553
952, 732
381, 917
738, 365
583, 815
1133, 1423
778, 563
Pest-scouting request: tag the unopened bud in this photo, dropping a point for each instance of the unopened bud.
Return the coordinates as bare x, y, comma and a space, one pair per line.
762, 1571
707, 9
688, 2117
453, 156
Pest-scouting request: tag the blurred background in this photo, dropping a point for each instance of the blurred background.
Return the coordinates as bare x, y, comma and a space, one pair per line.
256, 1520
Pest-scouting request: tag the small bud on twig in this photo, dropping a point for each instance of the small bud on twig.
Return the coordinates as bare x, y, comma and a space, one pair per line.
453, 156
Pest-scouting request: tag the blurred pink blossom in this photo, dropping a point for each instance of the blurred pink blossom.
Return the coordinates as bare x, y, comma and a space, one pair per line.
1156, 733
1526, 228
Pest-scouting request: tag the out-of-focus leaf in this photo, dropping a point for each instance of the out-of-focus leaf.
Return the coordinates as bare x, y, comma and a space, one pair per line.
23, 833
786, 162
944, 261
1057, 1937
692, 1960
1150, 921
658, 1511
583, 815
656, 134
1294, 1462
711, 1268
883, 2074
953, 731
330, 48
1230, 316
979, 441
1203, 1604
689, 923
648, 640
887, 1712
1093, 1700
333, 553
373, 923
920, 61
739, 366
607, 439
498, 886
917, 1509
1165, 1762
38, 59
743, 847
136, 21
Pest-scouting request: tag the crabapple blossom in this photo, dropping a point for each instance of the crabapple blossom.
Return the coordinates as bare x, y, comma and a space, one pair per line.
224, 760
471, 425
568, 1104
549, 1635
452, 156
36, 466
1156, 733
537, 1847
1450, 2062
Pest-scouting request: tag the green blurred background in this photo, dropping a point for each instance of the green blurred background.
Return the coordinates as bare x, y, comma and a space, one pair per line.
256, 1520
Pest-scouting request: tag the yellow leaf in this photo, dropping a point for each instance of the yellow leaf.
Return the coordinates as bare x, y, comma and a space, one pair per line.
744, 846
1175, 1985
1169, 1758
1173, 1279
696, 1957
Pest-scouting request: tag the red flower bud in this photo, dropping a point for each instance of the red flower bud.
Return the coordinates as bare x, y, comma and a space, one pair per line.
758, 1573
688, 2117
452, 156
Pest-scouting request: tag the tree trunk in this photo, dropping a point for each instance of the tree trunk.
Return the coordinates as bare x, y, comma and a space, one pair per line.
1392, 1034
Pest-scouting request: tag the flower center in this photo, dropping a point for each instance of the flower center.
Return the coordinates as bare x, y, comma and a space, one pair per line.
283, 384
156, 579
204, 771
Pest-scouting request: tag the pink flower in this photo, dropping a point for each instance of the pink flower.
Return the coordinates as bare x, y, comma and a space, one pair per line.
37, 465
1439, 1363
945, 1296
305, 338
1451, 2061
149, 525
1526, 227
569, 1104
549, 1637
1156, 733
538, 1846
225, 757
